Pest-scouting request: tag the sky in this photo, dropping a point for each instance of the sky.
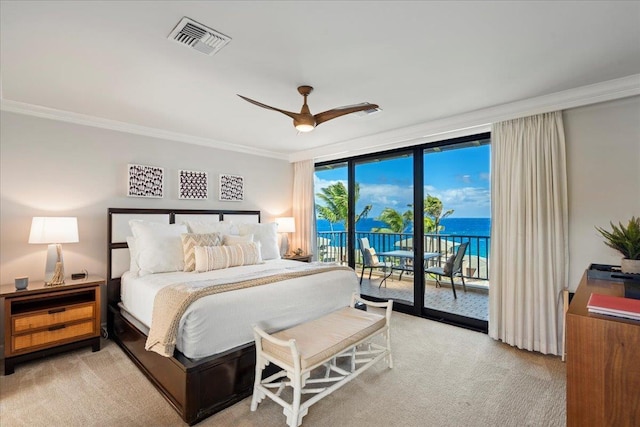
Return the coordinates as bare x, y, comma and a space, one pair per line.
459, 178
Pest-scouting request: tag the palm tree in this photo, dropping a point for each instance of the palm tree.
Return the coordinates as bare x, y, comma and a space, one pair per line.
395, 221
336, 209
429, 225
433, 209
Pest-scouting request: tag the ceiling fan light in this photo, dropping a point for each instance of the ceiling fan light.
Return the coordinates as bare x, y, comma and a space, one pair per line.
303, 127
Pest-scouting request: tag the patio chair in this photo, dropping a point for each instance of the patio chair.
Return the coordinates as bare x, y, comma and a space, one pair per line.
370, 259
452, 267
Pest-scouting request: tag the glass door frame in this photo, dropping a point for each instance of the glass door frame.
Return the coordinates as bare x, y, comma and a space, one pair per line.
417, 152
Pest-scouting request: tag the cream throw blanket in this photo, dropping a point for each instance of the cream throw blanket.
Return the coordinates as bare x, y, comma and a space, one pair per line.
172, 301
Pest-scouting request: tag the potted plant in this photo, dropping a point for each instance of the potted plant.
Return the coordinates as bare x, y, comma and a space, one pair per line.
625, 240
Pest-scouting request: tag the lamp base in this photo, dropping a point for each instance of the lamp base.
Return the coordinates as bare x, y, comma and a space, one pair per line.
58, 276
284, 244
54, 271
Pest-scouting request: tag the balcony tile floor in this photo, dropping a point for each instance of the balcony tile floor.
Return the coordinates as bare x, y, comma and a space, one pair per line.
474, 303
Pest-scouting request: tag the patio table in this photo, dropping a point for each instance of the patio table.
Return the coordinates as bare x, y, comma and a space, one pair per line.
403, 255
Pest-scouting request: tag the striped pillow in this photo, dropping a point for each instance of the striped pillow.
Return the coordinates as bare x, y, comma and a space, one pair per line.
191, 240
216, 257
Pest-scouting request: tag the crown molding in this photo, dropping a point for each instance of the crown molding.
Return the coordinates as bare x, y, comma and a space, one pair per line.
475, 121
87, 120
436, 130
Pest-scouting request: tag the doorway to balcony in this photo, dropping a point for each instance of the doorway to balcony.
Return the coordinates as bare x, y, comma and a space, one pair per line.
374, 201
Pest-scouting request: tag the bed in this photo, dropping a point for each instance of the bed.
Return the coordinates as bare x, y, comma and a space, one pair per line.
212, 366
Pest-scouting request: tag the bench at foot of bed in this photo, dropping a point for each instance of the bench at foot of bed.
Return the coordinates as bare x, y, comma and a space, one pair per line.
345, 333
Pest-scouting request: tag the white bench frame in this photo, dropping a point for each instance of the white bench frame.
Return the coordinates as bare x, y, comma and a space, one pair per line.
294, 376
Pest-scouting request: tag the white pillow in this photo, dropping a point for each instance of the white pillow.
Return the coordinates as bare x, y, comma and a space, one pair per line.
216, 257
133, 254
159, 246
204, 227
267, 235
228, 240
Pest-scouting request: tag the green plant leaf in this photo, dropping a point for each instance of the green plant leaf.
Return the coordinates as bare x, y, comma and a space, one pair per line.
625, 240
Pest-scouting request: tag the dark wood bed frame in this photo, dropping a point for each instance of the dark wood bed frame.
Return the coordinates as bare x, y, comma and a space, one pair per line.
195, 389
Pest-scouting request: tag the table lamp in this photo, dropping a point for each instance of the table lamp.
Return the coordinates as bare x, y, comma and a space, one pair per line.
54, 231
286, 225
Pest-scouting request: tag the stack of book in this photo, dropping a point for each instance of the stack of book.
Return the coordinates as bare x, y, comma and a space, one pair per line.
614, 306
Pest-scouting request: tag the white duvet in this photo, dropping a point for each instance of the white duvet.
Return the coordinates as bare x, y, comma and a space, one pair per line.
223, 321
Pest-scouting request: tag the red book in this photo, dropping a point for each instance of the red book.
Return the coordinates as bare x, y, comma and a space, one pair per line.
614, 306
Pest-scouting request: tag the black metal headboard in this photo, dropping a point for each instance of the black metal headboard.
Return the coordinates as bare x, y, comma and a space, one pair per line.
118, 222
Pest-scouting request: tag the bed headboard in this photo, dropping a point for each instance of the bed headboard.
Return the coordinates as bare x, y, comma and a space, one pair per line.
118, 230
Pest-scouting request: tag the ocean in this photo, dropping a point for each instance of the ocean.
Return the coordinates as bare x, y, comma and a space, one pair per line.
452, 227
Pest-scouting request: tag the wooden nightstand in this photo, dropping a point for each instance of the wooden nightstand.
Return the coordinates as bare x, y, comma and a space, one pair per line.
43, 320
301, 258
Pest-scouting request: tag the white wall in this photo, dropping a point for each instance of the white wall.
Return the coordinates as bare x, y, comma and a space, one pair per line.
52, 168
56, 168
603, 168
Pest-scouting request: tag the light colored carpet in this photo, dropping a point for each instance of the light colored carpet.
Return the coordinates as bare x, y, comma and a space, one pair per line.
442, 376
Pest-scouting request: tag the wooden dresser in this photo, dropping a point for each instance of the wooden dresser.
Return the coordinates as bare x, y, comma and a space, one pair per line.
603, 362
43, 320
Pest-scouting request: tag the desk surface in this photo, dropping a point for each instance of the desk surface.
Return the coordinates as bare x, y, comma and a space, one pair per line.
408, 254
588, 286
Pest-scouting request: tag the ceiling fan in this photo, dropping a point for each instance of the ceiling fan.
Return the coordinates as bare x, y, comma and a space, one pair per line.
304, 121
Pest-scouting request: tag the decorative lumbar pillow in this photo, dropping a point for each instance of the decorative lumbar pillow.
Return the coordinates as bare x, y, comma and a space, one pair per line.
229, 240
267, 235
191, 240
204, 227
448, 266
216, 257
159, 246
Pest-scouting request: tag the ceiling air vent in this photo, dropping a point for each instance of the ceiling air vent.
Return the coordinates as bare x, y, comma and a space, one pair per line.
199, 37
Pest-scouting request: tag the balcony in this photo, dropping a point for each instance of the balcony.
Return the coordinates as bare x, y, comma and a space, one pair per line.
332, 247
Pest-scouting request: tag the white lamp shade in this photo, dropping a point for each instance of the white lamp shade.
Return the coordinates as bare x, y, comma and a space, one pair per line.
47, 229
286, 224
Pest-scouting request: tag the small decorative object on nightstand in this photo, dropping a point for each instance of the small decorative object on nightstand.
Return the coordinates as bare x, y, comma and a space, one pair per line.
301, 258
43, 320
21, 283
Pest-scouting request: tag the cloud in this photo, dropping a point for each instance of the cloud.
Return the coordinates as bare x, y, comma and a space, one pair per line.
381, 196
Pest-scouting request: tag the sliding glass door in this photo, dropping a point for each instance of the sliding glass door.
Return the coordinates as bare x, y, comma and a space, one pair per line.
397, 217
457, 225
384, 226
332, 212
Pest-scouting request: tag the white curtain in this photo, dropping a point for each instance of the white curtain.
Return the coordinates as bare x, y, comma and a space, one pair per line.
304, 207
529, 232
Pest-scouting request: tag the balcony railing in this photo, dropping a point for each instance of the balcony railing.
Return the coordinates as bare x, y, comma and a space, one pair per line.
332, 246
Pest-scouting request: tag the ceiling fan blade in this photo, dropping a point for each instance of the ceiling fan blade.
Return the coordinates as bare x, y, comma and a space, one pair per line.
341, 111
268, 107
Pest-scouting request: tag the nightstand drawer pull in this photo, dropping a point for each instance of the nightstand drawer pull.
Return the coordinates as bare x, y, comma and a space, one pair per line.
57, 310
55, 328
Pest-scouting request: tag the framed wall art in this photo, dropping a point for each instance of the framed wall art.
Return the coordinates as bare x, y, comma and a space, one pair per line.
231, 188
192, 185
145, 181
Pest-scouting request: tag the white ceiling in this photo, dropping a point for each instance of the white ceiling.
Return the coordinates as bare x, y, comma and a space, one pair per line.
423, 62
